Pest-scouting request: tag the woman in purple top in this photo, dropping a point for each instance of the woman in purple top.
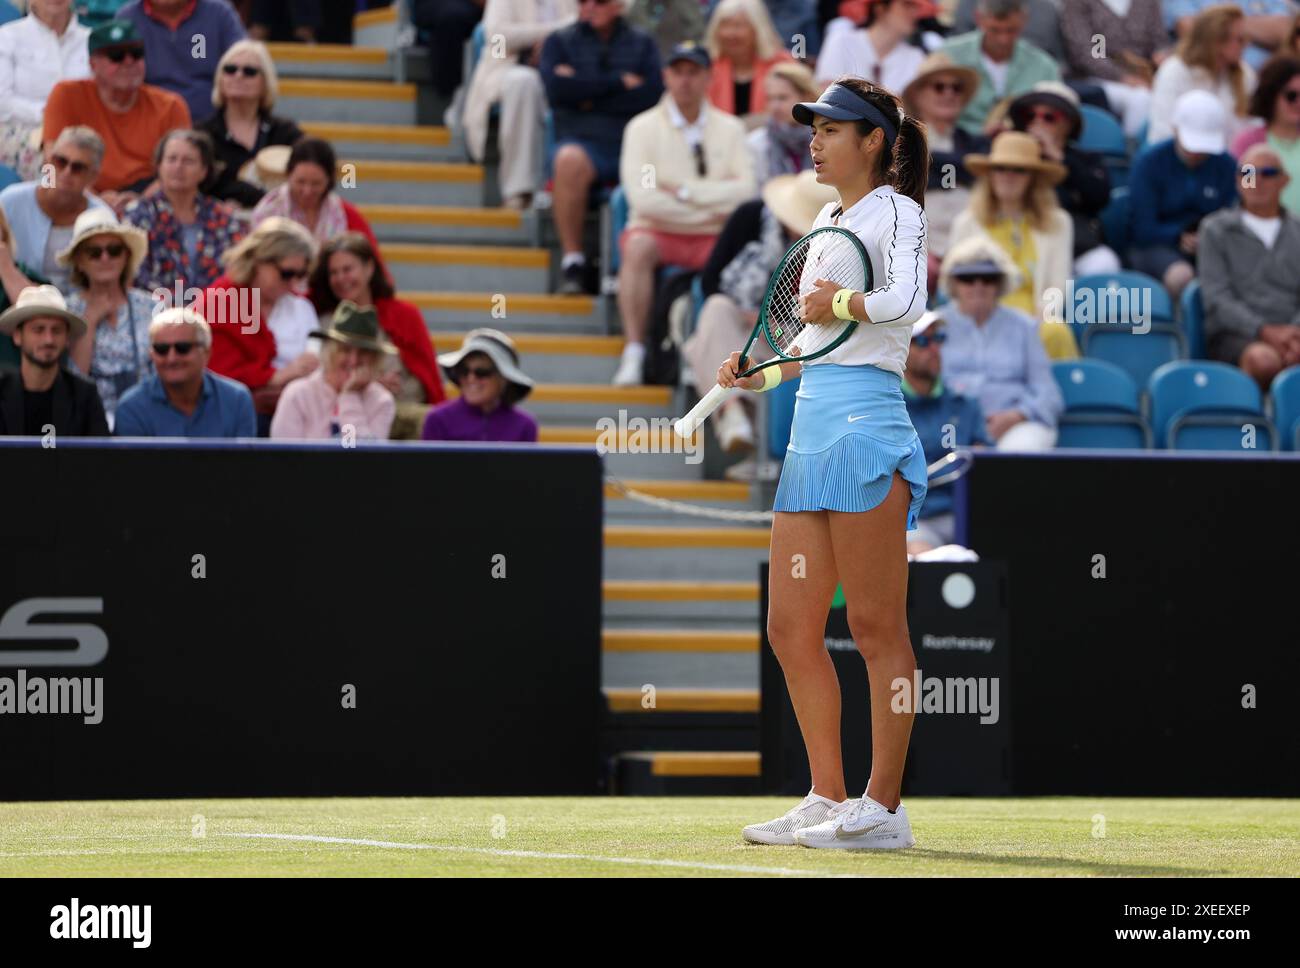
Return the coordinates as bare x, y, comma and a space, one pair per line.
486, 368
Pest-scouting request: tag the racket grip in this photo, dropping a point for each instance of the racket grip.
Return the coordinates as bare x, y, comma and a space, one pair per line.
690, 423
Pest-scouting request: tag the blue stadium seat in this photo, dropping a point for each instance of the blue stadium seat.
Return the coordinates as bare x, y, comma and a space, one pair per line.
476, 40
617, 222
8, 177
548, 146
1191, 311
1102, 132
1204, 406
1102, 330
780, 415
1114, 219
1101, 407
1284, 396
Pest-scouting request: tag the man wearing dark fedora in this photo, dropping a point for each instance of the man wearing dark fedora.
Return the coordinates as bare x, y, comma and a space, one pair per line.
41, 395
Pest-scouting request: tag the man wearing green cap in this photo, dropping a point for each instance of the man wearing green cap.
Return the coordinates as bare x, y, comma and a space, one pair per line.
130, 115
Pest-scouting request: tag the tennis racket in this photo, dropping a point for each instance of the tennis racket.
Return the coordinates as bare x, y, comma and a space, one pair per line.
826, 253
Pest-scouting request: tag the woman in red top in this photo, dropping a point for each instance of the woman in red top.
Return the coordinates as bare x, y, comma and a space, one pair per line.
347, 269
744, 45
308, 196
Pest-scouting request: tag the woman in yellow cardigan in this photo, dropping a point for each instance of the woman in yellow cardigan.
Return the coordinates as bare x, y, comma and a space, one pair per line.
1012, 203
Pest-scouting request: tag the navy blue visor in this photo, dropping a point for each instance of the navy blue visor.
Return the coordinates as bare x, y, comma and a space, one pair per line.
839, 103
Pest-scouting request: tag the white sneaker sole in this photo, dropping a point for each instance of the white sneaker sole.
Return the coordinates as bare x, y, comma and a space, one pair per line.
768, 839
873, 842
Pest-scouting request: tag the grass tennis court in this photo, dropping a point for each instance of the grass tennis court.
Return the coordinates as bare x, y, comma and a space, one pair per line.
608, 836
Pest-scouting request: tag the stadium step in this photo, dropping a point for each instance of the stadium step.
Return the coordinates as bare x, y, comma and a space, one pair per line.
376, 28
337, 61
387, 142
638, 604
593, 402
632, 453
662, 553
449, 224
459, 311
678, 640
621, 508
413, 183
440, 267
556, 358
686, 773
371, 102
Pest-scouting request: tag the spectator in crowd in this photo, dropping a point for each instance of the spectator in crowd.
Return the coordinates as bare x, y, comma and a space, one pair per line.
599, 74
506, 74
1014, 207
1007, 65
994, 353
1291, 46
1176, 183
743, 46
309, 197
261, 326
42, 213
702, 171
15, 276
486, 368
342, 398
42, 395
878, 49
188, 231
1208, 58
1250, 285
780, 147
944, 420
1277, 101
1042, 25
130, 115
1050, 112
244, 94
1265, 25
1135, 45
183, 398
348, 269
734, 282
449, 24
937, 96
36, 52
104, 257
669, 22
170, 29
300, 20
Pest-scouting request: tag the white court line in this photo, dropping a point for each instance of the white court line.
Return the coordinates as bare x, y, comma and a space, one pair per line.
541, 855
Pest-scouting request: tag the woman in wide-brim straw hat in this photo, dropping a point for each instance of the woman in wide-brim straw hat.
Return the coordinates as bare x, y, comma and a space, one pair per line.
103, 259
735, 278
341, 397
1014, 203
486, 369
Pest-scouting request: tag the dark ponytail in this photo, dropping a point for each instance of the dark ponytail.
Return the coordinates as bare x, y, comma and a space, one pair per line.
907, 167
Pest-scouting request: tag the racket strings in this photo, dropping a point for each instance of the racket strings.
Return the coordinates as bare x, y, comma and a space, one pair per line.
821, 256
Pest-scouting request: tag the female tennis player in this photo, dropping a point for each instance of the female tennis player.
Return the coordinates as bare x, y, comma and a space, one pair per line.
854, 474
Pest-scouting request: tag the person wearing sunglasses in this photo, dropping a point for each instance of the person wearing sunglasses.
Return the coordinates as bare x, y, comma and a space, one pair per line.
1050, 112
244, 93
937, 96
102, 259
994, 353
184, 398
36, 52
188, 230
168, 29
703, 171
261, 323
1277, 101
1248, 265
944, 419
486, 370
1013, 205
43, 398
130, 115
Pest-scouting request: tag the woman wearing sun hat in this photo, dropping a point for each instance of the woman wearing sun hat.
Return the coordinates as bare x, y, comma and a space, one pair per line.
486, 368
342, 396
102, 259
1014, 203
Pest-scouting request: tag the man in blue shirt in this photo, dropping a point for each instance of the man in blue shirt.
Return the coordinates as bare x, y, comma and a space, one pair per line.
1176, 183
944, 420
183, 40
184, 399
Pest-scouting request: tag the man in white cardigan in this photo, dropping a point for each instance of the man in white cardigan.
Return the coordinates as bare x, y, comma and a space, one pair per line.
684, 168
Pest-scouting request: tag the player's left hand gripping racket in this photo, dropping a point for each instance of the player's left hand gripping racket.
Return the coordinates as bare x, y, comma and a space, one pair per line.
827, 253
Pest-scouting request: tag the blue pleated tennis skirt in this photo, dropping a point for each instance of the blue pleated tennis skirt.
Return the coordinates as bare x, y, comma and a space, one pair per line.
851, 432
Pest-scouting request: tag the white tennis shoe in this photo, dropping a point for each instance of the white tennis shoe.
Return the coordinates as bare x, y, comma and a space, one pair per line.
861, 824
811, 810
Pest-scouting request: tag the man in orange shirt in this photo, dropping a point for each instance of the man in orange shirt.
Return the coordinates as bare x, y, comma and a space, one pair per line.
130, 115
